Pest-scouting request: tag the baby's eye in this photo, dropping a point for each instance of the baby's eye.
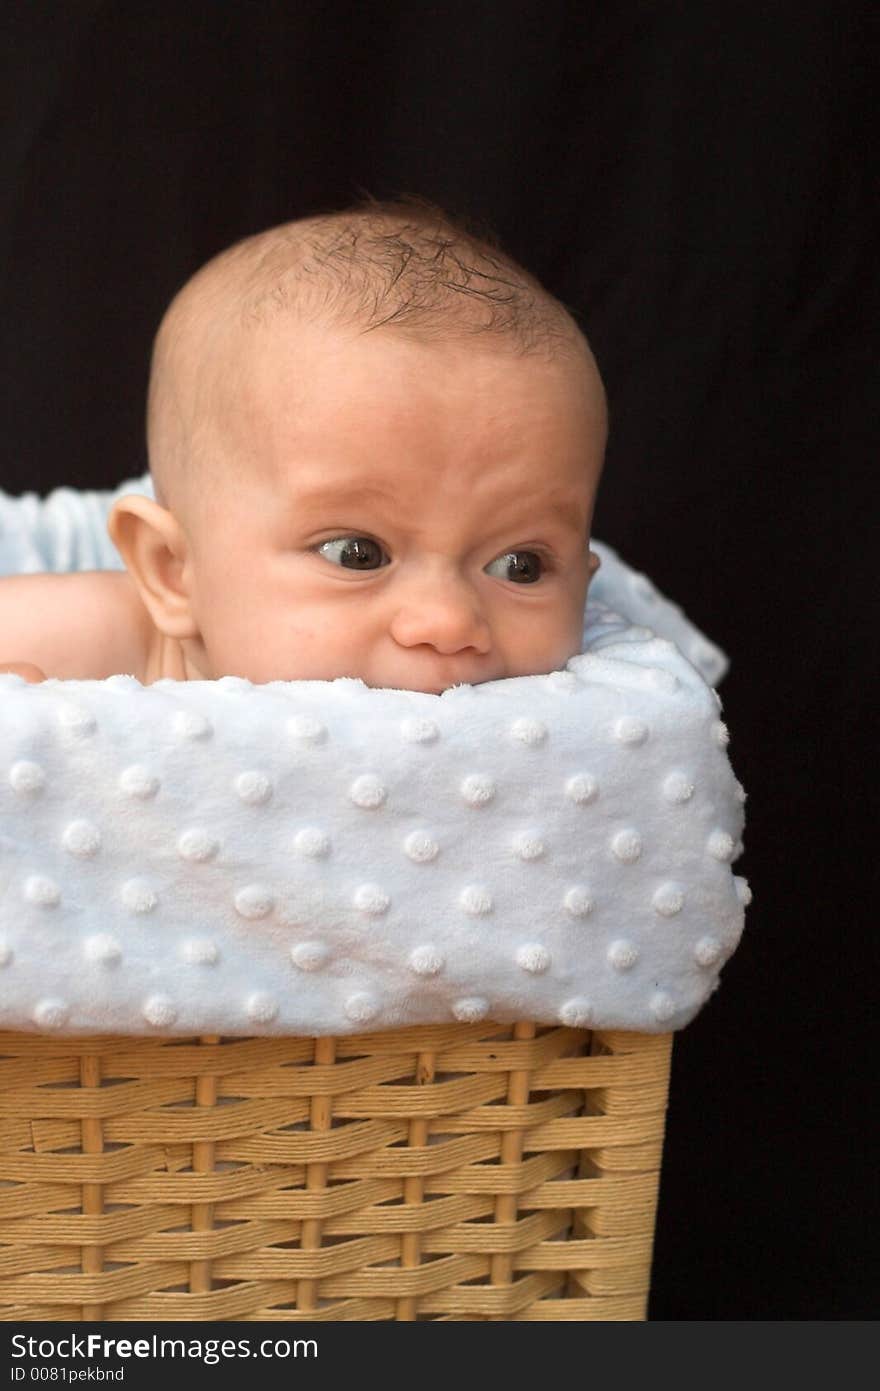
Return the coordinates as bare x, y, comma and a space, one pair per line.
351, 552
522, 567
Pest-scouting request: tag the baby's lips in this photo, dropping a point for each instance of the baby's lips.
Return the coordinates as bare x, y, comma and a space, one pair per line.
27, 670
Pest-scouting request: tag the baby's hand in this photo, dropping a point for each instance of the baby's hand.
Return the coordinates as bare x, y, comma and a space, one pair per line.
25, 669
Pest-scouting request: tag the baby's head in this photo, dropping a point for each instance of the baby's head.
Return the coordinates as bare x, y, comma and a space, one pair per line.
375, 443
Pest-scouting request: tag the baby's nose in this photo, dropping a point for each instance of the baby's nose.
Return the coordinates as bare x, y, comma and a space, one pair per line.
445, 615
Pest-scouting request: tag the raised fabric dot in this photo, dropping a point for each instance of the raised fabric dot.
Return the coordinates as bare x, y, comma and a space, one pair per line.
253, 787
199, 951
470, 1010
368, 792
578, 901
307, 729
668, 900
81, 838
361, 1007
197, 845
139, 896
233, 685
707, 951
641, 634
721, 734
743, 892
475, 899
662, 1006
562, 681
626, 846
622, 955
6, 954
371, 898
418, 731
582, 788
312, 842
528, 731
51, 1014
42, 890
529, 845
533, 957
477, 789
76, 721
630, 731
254, 901
159, 1011
25, 776
122, 683
720, 845
678, 788
577, 1013
419, 846
427, 960
138, 781
309, 956
189, 724
102, 948
260, 1007
739, 792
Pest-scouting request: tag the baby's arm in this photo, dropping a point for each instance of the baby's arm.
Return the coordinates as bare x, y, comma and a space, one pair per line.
83, 626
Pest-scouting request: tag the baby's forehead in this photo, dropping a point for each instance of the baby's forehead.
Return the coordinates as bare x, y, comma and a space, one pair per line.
299, 394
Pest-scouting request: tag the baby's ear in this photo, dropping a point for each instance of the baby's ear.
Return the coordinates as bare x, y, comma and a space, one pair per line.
153, 546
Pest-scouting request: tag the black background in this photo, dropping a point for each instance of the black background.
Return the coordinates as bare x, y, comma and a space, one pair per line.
695, 180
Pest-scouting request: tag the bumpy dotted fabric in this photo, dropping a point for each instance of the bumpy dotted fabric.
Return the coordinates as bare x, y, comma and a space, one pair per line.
322, 857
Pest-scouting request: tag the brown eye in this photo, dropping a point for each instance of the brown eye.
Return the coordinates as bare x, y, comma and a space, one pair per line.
352, 552
521, 567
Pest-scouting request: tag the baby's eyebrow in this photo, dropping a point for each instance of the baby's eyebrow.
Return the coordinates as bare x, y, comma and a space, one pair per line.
566, 511
349, 492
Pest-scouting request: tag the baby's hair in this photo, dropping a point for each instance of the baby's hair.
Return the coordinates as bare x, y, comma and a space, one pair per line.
402, 265
405, 263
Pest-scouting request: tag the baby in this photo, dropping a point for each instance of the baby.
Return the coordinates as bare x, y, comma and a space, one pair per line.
375, 444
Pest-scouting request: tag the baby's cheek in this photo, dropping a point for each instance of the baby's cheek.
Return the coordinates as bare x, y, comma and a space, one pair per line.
266, 642
568, 640
534, 649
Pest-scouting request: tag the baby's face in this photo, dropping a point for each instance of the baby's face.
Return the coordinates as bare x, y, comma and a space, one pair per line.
416, 516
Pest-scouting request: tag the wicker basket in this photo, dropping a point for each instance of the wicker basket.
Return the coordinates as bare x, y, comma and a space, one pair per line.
462, 1172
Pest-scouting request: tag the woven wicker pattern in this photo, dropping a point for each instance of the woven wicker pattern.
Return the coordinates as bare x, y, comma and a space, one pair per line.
451, 1172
